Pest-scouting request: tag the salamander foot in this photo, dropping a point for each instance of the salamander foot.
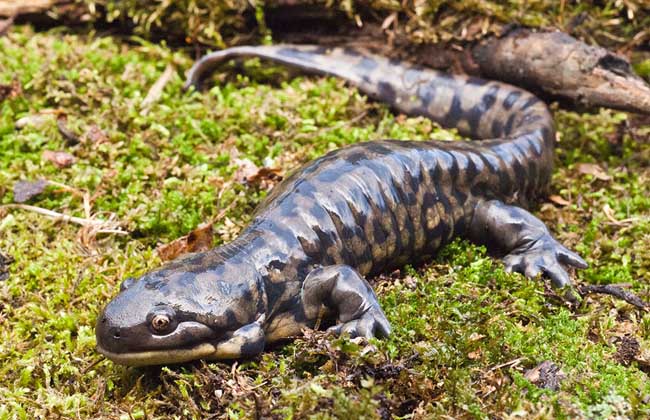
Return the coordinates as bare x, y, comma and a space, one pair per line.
372, 323
543, 256
529, 247
341, 288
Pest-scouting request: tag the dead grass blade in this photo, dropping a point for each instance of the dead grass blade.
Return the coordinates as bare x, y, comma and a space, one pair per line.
100, 226
156, 90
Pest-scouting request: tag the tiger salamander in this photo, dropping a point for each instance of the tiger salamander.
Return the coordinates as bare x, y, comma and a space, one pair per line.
353, 213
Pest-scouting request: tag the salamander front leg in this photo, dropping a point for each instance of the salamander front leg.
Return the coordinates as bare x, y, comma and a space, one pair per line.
247, 341
342, 289
530, 249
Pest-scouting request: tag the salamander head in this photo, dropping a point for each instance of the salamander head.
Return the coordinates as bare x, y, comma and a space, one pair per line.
176, 314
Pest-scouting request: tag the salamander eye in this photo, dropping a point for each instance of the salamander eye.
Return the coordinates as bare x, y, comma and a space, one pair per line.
162, 320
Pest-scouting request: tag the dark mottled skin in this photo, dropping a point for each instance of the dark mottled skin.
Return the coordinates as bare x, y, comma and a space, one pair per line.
352, 213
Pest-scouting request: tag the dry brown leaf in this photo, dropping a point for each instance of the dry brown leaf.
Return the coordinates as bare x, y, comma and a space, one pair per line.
60, 158
594, 170
11, 90
473, 355
198, 240
245, 169
96, 135
249, 173
70, 136
24, 190
556, 199
266, 177
643, 357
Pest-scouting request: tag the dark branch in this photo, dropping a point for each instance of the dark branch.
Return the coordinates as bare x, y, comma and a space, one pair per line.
613, 290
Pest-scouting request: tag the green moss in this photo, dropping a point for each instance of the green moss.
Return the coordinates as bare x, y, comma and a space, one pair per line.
642, 68
465, 331
610, 22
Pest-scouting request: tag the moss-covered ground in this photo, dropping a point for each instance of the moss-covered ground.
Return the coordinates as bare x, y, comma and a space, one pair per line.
465, 332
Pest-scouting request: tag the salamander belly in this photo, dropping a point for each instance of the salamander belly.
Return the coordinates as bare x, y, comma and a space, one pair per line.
378, 205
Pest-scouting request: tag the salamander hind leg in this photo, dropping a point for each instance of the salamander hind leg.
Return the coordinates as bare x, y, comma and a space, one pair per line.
530, 249
342, 289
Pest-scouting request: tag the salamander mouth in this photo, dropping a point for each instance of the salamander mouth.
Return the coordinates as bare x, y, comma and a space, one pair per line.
227, 348
136, 345
160, 357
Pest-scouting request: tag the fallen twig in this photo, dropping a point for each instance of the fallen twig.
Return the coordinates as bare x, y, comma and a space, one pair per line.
156, 89
613, 290
561, 65
106, 226
609, 213
511, 363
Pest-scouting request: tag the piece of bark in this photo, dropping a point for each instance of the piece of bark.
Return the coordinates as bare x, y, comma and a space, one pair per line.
546, 375
561, 65
627, 349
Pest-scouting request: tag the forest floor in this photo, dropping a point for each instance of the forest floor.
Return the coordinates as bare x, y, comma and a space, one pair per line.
470, 341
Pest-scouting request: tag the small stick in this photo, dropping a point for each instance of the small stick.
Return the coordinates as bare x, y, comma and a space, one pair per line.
63, 217
511, 363
562, 65
156, 89
613, 290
